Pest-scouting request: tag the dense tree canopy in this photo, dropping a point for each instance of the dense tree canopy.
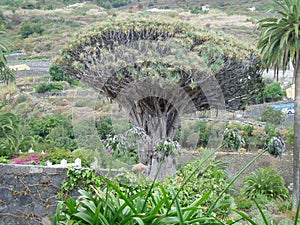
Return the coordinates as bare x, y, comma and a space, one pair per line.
160, 70
111, 55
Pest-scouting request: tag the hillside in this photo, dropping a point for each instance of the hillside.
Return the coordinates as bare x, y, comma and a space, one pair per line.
172, 4
39, 32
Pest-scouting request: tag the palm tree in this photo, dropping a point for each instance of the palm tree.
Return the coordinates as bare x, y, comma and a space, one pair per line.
13, 135
279, 44
5, 73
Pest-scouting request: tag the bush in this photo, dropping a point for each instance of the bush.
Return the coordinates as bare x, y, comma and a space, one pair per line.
265, 181
272, 116
57, 74
105, 127
46, 87
14, 135
273, 92
211, 177
28, 29
275, 146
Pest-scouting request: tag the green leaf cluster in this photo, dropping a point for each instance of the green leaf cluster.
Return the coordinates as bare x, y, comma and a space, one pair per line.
233, 139
267, 182
13, 135
49, 87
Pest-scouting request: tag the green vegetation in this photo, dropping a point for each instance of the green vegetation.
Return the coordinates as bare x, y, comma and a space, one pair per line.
131, 199
272, 116
5, 73
28, 29
232, 139
200, 192
13, 135
267, 182
279, 45
49, 87
273, 92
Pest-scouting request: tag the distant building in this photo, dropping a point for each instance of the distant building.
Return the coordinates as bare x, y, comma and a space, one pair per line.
290, 92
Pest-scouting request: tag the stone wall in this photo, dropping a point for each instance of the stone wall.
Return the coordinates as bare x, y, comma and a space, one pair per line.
237, 161
28, 193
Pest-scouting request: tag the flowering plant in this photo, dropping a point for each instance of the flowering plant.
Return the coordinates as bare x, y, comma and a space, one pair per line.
29, 158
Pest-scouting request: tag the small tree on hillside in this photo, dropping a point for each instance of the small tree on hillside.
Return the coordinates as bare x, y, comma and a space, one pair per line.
273, 92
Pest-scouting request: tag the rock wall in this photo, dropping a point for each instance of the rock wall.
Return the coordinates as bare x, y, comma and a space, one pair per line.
236, 161
28, 193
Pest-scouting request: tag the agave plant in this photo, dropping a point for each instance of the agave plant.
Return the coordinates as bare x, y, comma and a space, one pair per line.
265, 181
275, 146
233, 139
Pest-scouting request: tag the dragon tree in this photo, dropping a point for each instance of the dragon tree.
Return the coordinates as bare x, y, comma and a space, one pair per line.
159, 71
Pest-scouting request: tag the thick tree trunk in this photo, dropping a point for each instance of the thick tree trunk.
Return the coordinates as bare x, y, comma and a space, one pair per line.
158, 128
296, 180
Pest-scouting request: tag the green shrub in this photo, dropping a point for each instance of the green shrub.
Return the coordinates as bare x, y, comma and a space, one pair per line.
43, 127
57, 74
265, 181
272, 116
49, 87
28, 28
105, 127
275, 146
14, 135
4, 159
154, 204
53, 131
273, 92
57, 155
210, 177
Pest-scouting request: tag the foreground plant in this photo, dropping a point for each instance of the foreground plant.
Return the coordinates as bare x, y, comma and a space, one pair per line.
267, 182
266, 221
157, 204
112, 206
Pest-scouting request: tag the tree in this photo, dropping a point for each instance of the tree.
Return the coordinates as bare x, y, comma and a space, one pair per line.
13, 135
279, 44
159, 71
273, 92
5, 73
